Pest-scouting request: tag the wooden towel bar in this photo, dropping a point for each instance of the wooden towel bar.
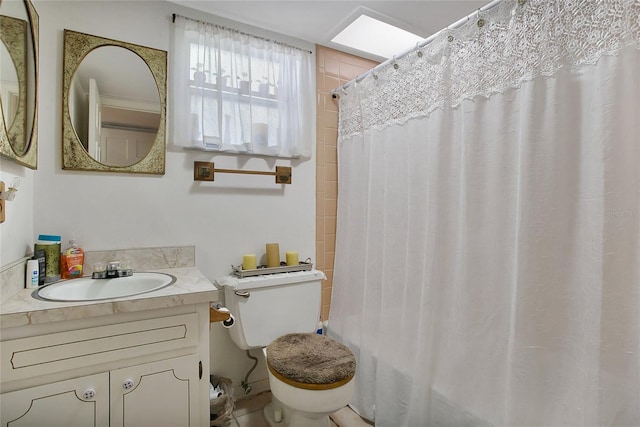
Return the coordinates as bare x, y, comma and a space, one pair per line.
204, 171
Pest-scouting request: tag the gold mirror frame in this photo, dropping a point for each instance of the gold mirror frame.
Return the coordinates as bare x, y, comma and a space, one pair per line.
74, 156
29, 156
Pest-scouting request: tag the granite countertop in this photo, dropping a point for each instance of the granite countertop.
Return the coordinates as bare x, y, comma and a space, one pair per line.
191, 287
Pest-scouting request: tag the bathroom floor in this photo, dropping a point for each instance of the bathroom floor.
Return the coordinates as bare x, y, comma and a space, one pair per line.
248, 413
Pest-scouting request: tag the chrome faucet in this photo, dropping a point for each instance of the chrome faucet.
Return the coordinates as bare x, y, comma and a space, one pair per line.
113, 271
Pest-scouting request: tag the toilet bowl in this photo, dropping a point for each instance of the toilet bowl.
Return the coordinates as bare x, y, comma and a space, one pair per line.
310, 375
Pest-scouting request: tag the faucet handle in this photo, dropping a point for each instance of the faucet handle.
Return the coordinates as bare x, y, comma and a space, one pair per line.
112, 269
99, 271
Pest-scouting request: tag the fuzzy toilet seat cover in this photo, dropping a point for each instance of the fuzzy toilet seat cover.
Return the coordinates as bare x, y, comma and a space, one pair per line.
310, 361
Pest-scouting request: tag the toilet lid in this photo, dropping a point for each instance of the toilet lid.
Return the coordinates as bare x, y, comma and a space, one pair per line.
310, 361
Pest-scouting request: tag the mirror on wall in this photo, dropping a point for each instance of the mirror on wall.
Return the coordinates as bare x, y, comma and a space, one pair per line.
114, 105
18, 82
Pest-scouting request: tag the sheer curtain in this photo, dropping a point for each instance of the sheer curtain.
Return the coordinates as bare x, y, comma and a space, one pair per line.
240, 93
487, 265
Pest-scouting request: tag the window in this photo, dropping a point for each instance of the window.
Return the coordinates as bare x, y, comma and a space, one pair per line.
234, 92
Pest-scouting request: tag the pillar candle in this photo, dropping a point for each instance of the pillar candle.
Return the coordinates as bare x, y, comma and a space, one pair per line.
292, 258
249, 262
273, 255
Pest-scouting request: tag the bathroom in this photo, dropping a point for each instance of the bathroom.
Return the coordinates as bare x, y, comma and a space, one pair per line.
235, 214
223, 220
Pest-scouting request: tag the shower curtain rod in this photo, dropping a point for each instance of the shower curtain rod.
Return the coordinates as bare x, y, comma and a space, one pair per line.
336, 92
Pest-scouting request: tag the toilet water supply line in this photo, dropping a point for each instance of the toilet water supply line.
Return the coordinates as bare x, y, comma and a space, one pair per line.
228, 324
245, 383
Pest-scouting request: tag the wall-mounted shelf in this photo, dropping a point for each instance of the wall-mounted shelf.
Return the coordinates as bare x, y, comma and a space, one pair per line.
205, 171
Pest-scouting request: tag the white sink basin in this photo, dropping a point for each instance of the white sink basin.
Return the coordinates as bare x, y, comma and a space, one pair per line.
88, 289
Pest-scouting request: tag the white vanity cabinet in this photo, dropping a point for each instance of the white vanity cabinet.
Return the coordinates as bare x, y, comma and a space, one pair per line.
146, 368
154, 394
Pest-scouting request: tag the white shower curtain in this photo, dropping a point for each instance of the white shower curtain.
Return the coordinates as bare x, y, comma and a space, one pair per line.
487, 266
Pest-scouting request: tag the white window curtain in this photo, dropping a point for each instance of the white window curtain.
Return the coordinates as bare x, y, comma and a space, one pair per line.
235, 92
487, 267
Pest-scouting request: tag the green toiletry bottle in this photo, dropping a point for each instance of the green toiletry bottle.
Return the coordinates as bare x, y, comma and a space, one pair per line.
50, 244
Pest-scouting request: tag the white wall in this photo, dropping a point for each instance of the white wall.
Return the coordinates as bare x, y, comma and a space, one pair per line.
236, 214
16, 233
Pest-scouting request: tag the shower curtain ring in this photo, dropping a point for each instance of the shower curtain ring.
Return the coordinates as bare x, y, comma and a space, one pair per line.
418, 49
480, 22
395, 65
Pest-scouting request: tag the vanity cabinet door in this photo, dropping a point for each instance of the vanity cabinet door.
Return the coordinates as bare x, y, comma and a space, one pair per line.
77, 402
163, 393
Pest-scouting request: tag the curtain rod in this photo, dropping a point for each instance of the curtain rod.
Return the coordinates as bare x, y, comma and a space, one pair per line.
423, 43
174, 15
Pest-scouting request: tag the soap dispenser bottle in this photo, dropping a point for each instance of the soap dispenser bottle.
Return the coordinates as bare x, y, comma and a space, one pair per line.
72, 261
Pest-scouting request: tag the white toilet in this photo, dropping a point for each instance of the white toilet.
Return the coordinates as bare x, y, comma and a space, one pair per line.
310, 375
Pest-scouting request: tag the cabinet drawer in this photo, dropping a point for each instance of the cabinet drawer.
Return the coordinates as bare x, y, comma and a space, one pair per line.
27, 357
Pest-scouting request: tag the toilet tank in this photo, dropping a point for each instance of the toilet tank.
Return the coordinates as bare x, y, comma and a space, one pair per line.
269, 306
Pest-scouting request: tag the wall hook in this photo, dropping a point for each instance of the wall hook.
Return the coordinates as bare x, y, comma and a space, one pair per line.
7, 195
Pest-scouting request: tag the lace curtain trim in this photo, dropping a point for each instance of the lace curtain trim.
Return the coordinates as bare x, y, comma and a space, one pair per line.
499, 49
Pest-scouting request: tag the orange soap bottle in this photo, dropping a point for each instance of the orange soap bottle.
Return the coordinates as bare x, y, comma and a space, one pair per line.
72, 261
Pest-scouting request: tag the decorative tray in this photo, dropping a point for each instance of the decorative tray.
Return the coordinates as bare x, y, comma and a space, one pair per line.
239, 272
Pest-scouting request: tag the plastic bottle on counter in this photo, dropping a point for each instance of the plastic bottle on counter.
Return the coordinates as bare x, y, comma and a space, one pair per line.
51, 246
40, 256
72, 261
33, 274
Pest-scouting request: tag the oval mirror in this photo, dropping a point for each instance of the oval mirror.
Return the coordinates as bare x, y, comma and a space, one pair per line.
9, 89
114, 105
18, 81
